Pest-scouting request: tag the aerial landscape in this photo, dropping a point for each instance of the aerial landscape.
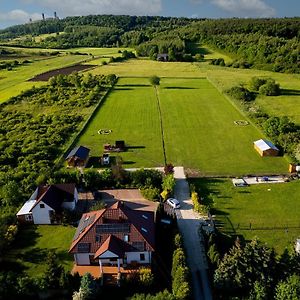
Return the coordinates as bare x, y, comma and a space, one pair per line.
150, 150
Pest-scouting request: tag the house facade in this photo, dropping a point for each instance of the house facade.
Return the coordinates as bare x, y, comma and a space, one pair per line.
47, 203
117, 236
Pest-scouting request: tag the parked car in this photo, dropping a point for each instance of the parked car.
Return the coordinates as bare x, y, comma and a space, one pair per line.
173, 202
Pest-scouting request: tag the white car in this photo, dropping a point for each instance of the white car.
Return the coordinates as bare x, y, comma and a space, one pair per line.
173, 202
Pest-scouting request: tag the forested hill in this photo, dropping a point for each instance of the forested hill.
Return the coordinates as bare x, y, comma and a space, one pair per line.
272, 44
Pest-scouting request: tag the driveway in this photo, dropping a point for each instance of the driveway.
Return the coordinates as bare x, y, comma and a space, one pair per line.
188, 223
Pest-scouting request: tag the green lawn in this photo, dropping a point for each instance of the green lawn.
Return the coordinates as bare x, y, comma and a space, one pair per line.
200, 132
30, 248
273, 210
198, 124
130, 111
222, 77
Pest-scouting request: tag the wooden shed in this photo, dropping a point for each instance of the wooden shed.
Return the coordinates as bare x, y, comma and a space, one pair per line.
265, 148
78, 157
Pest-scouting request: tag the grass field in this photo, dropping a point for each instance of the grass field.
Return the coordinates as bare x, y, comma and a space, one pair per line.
273, 210
30, 248
15, 81
222, 77
131, 112
198, 125
200, 132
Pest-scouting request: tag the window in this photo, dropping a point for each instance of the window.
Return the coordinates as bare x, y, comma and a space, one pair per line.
126, 238
42, 205
28, 217
98, 238
84, 247
142, 256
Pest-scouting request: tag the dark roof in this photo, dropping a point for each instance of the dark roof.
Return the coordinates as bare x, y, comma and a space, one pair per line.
54, 195
112, 244
80, 152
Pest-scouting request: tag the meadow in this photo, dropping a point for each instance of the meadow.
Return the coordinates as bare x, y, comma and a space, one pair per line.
267, 211
197, 122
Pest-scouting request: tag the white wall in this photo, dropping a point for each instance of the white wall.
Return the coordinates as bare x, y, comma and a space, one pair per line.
82, 258
34, 195
41, 215
108, 254
135, 256
71, 205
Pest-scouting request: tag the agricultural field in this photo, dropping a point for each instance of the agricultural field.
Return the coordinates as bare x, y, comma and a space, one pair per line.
270, 212
30, 248
14, 81
131, 113
197, 133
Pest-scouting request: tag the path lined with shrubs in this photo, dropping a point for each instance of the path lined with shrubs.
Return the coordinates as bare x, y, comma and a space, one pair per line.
188, 224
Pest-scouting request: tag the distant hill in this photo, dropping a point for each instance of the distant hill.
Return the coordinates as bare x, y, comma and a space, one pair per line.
271, 44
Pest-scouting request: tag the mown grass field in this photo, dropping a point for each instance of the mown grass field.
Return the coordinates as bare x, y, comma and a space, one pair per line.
30, 248
200, 132
222, 77
131, 112
271, 210
198, 125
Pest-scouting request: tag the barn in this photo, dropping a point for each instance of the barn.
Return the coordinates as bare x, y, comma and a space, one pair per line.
265, 148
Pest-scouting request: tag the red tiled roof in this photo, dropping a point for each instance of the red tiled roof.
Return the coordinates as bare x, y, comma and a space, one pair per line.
81, 232
112, 244
141, 222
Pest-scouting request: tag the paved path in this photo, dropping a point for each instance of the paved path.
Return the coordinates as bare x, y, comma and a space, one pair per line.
188, 223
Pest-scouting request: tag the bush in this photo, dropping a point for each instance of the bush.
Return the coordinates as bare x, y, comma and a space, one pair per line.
256, 82
169, 183
146, 277
240, 93
150, 193
270, 88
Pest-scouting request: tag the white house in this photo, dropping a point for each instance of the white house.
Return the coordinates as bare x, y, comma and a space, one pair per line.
47, 203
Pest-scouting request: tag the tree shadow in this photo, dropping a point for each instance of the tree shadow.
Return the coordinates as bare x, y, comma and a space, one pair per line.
134, 85
122, 89
179, 88
135, 147
288, 92
128, 162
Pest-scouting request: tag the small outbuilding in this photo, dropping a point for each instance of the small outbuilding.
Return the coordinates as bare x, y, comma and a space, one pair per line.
297, 246
265, 148
78, 157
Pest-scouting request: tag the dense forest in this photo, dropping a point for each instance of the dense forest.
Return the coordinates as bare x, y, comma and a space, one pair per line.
271, 44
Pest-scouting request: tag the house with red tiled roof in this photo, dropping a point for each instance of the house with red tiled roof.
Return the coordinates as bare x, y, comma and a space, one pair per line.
47, 203
116, 236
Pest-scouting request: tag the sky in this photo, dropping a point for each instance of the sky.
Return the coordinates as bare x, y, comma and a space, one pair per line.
19, 11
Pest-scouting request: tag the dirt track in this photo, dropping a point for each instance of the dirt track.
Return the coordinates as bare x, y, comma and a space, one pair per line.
64, 71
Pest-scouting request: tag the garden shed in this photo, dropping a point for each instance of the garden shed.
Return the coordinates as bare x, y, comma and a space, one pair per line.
78, 157
265, 148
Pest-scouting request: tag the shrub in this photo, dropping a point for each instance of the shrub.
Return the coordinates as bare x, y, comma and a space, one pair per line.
240, 93
178, 241
169, 183
270, 88
146, 277
150, 193
256, 82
